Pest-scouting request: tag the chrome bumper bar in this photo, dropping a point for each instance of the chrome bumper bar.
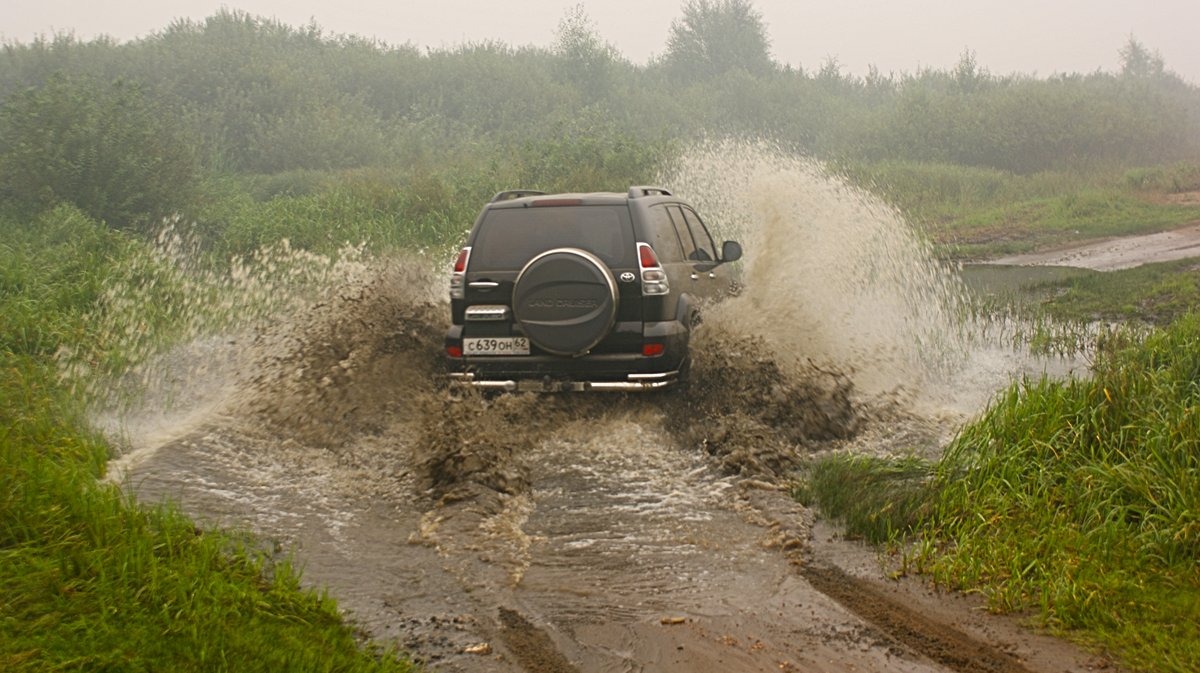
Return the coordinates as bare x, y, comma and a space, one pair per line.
635, 383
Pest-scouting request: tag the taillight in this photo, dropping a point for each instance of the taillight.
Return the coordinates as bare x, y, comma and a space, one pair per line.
654, 279
454, 351
653, 349
458, 279
646, 256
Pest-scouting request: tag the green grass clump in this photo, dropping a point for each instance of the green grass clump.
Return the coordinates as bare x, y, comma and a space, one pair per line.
1082, 499
52, 269
879, 499
91, 581
1174, 179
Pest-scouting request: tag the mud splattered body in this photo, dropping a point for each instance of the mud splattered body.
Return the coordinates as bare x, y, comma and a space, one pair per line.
567, 533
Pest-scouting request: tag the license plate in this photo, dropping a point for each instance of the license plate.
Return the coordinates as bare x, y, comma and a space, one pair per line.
496, 346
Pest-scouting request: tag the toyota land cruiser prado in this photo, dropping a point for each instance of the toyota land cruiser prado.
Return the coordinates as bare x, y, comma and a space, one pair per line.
581, 291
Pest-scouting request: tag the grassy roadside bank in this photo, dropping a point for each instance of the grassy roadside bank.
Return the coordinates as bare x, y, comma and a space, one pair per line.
1152, 294
1077, 500
973, 213
90, 580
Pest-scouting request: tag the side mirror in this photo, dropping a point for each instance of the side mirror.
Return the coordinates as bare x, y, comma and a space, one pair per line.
731, 251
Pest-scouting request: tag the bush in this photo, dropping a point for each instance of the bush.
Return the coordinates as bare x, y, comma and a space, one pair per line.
100, 146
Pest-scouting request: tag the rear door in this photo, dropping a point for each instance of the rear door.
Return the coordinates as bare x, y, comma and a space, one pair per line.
507, 238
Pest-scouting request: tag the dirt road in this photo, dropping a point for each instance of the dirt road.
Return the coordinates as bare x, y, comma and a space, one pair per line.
534, 534
1116, 253
624, 552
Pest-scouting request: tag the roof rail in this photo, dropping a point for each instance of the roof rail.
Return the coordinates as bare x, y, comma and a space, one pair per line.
646, 190
515, 194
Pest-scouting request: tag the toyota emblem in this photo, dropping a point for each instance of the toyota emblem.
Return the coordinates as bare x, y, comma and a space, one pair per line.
627, 277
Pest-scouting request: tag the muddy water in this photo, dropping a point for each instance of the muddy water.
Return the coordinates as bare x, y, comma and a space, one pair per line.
526, 533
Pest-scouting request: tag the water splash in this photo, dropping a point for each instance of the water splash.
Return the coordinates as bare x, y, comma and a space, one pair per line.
844, 306
833, 276
283, 338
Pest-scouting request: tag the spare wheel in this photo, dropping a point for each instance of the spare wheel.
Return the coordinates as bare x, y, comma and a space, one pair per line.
566, 301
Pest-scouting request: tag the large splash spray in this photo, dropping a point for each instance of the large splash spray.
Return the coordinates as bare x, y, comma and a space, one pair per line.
323, 346
836, 277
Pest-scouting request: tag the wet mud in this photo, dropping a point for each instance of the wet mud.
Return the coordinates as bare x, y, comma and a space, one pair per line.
906, 627
1114, 254
532, 533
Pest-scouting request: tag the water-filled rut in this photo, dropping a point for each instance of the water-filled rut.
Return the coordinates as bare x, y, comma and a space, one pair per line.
572, 533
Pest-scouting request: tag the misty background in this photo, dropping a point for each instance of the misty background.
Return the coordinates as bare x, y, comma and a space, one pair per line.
1025, 36
201, 117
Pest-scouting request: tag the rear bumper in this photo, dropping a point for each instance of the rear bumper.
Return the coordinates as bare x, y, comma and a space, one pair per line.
541, 372
634, 383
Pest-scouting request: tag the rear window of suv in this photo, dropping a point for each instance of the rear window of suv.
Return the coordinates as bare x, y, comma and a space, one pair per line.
509, 237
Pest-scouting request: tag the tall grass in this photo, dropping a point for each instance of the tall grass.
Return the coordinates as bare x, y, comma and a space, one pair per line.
1077, 499
1082, 498
879, 499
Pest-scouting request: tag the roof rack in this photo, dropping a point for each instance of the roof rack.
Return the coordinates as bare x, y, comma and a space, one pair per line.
647, 190
516, 194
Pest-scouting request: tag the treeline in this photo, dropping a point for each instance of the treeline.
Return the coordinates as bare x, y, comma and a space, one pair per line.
241, 94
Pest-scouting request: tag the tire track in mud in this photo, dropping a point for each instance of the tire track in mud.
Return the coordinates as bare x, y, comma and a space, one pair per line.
531, 647
757, 437
938, 641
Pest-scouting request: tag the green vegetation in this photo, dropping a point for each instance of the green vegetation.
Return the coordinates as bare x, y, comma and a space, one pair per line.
89, 580
1158, 294
250, 95
100, 146
1082, 499
1078, 499
878, 499
980, 213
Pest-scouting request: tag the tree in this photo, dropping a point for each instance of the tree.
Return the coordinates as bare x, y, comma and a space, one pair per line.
1138, 61
969, 77
716, 36
101, 147
586, 59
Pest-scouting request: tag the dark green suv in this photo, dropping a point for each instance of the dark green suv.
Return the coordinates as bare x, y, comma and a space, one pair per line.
582, 291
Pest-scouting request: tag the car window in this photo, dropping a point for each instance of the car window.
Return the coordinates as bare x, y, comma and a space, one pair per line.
682, 232
705, 250
509, 237
662, 236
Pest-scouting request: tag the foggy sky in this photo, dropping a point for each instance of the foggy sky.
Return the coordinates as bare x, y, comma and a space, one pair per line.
1041, 37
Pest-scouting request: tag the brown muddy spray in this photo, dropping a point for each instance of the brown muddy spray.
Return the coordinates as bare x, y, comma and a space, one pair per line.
844, 315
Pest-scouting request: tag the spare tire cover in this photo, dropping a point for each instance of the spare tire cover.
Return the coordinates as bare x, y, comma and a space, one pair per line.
566, 300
